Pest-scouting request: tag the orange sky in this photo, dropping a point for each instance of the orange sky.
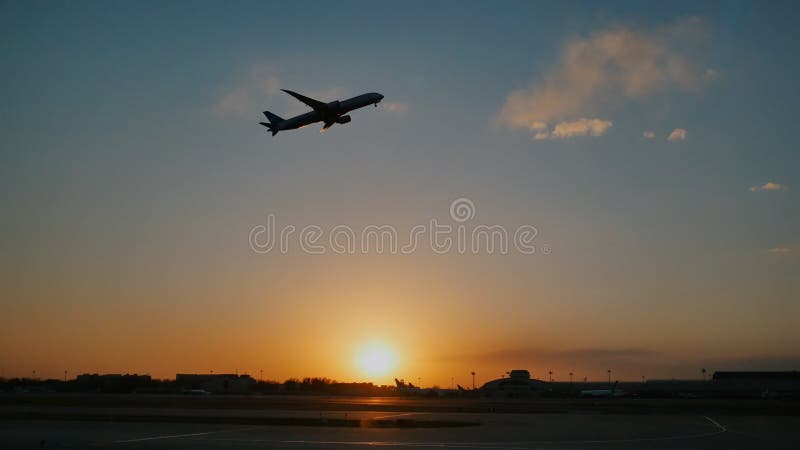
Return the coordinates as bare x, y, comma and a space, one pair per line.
654, 150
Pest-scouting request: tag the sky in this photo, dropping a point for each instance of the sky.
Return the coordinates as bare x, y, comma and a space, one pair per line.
651, 146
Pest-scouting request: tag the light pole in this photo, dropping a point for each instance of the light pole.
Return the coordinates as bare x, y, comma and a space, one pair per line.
609, 376
550, 372
65, 376
642, 378
570, 378
473, 380
261, 375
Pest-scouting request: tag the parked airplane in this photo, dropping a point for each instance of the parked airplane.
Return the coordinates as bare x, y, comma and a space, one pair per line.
405, 387
613, 392
328, 113
410, 389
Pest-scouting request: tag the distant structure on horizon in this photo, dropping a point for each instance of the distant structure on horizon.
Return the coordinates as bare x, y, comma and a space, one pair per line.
111, 382
223, 383
756, 376
518, 382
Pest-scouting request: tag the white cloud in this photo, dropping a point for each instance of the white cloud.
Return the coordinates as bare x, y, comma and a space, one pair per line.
264, 80
609, 66
569, 129
785, 250
581, 127
259, 84
541, 135
235, 102
258, 89
768, 186
678, 134
649, 135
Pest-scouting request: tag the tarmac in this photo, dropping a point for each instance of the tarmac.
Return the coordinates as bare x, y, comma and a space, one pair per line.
311, 423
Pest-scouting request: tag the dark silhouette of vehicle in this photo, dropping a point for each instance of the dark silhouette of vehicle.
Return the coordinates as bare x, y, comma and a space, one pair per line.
612, 392
328, 113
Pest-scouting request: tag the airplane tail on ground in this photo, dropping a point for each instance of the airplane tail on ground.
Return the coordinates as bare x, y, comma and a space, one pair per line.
274, 121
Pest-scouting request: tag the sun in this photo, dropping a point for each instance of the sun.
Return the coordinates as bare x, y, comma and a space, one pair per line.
376, 359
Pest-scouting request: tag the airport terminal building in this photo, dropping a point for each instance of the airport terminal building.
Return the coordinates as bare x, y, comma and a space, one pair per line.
519, 382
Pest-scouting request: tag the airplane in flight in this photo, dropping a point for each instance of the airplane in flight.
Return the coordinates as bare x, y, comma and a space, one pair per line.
328, 113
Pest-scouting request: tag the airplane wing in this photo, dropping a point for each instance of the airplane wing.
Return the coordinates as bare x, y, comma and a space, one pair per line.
314, 104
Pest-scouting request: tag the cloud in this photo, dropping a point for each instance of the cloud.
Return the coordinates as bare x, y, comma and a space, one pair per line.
581, 127
610, 66
566, 129
539, 135
678, 134
649, 135
264, 81
768, 186
259, 84
399, 108
783, 250
235, 102
539, 126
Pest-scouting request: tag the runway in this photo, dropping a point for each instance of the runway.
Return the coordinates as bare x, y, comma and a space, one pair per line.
316, 422
495, 431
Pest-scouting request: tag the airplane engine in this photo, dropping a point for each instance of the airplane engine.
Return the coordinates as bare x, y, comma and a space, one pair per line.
344, 119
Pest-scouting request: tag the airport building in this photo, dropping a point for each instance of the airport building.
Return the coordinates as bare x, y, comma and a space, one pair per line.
223, 383
519, 382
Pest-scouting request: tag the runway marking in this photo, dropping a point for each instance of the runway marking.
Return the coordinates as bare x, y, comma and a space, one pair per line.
398, 415
722, 428
177, 436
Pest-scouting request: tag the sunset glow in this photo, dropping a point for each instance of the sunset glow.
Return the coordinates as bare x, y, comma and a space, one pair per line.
558, 189
376, 359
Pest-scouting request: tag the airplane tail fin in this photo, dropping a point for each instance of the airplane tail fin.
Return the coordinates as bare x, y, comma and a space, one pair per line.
274, 121
273, 118
271, 128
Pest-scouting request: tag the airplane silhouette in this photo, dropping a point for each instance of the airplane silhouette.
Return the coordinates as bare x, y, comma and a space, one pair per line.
328, 113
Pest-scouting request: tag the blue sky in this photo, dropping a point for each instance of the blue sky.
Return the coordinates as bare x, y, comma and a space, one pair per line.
133, 168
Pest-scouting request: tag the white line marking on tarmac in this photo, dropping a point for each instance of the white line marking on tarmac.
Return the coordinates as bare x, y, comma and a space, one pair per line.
722, 428
177, 436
